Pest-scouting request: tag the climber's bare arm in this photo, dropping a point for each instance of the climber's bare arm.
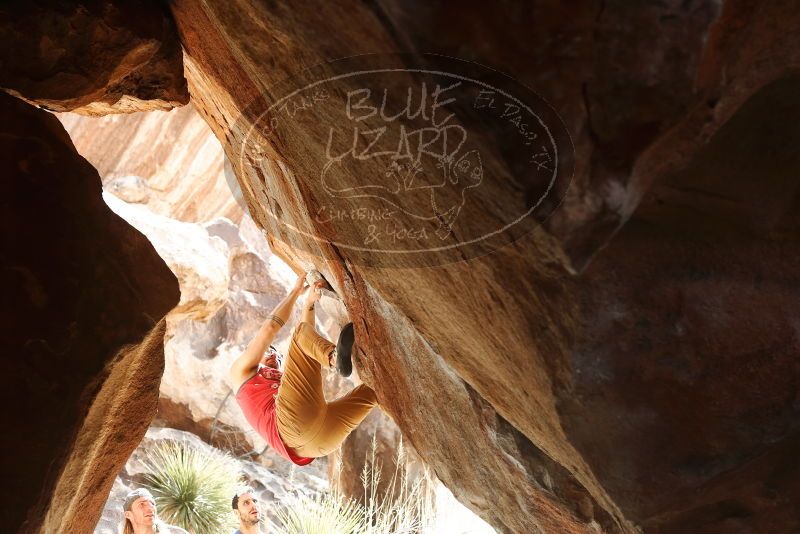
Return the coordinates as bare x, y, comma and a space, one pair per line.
246, 365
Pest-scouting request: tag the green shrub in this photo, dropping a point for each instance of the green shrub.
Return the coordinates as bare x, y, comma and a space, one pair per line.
192, 488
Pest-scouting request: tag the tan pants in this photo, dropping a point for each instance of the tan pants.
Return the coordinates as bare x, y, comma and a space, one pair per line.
308, 424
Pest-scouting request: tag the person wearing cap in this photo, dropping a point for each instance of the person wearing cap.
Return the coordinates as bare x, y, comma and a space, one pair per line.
288, 409
246, 508
139, 509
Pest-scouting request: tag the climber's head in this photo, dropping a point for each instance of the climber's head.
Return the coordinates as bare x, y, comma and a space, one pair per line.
246, 507
271, 358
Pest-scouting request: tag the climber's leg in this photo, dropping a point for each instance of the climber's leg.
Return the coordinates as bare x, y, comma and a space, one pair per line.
309, 342
301, 403
342, 417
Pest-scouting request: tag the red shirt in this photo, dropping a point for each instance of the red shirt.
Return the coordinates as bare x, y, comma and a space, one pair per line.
256, 397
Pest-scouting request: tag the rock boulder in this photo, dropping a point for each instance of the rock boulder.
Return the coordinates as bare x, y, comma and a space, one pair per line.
91, 57
629, 364
82, 341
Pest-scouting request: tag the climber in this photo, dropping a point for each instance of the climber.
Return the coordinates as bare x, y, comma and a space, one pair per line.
288, 409
246, 508
140, 514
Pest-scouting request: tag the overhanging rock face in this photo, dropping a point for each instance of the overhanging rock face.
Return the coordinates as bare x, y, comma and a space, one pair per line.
82, 338
629, 365
93, 58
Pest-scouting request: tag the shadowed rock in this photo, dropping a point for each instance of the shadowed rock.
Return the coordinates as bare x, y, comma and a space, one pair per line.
92, 57
81, 289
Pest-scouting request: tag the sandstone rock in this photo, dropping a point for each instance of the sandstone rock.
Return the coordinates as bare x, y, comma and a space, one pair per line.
117, 417
619, 74
82, 289
570, 382
198, 260
93, 58
130, 188
169, 161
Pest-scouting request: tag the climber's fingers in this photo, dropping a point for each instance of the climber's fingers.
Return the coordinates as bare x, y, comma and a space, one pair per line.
315, 292
300, 284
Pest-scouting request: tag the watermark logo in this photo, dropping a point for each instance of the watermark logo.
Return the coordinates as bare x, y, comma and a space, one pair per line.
401, 160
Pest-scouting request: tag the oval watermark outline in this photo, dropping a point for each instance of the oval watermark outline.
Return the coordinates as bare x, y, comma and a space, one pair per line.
428, 72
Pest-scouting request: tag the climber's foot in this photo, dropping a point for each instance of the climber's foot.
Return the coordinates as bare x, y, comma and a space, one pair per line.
344, 350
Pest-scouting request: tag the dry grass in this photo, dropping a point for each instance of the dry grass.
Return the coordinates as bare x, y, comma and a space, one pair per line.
406, 508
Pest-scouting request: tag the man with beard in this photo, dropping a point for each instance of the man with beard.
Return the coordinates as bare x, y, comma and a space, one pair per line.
246, 508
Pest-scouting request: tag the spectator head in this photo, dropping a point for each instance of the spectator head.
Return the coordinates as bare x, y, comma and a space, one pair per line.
140, 511
246, 506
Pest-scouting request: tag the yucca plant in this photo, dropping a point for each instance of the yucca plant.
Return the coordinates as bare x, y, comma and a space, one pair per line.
192, 488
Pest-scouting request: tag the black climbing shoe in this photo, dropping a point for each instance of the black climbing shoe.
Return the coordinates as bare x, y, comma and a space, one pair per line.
344, 350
